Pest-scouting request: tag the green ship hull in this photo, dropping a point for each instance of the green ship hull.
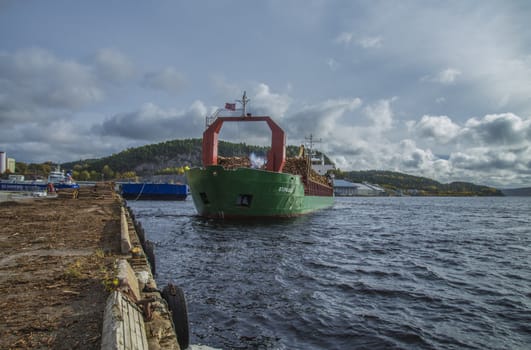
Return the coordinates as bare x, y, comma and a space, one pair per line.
251, 193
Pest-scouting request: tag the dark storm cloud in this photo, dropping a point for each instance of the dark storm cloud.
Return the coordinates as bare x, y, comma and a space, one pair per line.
321, 119
499, 129
34, 79
488, 160
153, 123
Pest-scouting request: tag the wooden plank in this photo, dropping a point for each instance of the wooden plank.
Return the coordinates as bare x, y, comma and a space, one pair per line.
123, 325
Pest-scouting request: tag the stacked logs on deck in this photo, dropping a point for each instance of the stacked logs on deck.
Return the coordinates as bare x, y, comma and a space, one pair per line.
297, 166
234, 162
301, 166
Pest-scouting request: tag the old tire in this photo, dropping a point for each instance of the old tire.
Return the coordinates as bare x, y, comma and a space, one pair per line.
174, 296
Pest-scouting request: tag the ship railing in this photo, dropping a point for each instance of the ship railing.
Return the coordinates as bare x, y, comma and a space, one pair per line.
312, 188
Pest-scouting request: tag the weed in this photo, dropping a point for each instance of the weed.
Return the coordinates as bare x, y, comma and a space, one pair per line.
73, 271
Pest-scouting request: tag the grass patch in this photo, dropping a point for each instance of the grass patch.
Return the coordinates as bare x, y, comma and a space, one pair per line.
74, 271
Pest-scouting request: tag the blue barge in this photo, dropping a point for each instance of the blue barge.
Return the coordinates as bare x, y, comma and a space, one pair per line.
154, 191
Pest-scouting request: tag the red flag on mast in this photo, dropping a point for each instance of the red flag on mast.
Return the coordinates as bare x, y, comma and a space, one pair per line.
230, 106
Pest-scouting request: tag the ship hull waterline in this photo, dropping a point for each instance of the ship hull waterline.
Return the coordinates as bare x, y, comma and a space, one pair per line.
250, 193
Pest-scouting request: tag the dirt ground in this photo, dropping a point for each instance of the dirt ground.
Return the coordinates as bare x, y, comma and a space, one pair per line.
56, 266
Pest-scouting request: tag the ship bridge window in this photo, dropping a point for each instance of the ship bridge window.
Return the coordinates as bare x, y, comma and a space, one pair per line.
244, 200
204, 198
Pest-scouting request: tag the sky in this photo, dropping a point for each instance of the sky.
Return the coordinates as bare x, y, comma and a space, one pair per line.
440, 89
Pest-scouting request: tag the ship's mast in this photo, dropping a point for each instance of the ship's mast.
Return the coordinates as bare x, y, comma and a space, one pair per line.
244, 102
210, 119
310, 142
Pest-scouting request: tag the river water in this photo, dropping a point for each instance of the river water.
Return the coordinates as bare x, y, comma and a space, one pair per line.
368, 273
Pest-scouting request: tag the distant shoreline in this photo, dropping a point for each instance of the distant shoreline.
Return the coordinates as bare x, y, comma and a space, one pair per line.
524, 191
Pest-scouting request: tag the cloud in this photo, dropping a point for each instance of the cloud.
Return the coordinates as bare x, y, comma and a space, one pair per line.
263, 102
332, 64
153, 123
493, 150
409, 157
506, 129
371, 42
367, 42
322, 119
506, 79
499, 129
344, 38
268, 103
497, 167
439, 128
57, 141
446, 77
380, 114
34, 79
112, 65
169, 80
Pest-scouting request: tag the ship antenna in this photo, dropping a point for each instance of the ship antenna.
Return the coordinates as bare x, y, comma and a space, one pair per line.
311, 141
244, 102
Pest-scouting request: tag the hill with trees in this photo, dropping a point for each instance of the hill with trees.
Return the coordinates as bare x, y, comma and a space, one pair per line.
400, 183
170, 157
173, 157
525, 191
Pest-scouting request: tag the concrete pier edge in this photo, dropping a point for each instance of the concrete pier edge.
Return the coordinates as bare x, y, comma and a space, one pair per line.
136, 315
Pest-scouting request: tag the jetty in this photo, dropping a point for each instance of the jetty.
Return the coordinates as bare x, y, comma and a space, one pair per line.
75, 273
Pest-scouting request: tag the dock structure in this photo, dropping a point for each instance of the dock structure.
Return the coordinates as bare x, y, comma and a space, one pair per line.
74, 274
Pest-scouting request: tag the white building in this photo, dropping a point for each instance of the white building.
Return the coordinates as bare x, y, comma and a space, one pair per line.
6, 163
344, 188
11, 164
3, 162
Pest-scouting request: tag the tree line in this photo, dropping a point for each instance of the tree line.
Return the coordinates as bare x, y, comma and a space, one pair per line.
400, 183
176, 156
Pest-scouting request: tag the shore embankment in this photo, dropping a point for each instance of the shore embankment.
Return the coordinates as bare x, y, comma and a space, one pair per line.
62, 258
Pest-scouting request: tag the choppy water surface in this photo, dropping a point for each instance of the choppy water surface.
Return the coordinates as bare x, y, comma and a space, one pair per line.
368, 273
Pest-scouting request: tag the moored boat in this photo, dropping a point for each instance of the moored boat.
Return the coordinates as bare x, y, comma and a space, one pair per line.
281, 188
57, 179
60, 180
154, 191
23, 186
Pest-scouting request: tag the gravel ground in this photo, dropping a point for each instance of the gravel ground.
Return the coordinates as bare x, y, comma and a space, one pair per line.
56, 261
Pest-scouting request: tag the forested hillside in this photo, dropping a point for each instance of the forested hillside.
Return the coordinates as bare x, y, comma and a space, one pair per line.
395, 182
173, 157
170, 157
525, 191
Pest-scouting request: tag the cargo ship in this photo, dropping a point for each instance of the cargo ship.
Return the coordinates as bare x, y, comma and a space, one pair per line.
282, 187
154, 191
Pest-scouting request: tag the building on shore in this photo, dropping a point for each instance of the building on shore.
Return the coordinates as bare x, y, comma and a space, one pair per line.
343, 188
3, 162
6, 164
11, 165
